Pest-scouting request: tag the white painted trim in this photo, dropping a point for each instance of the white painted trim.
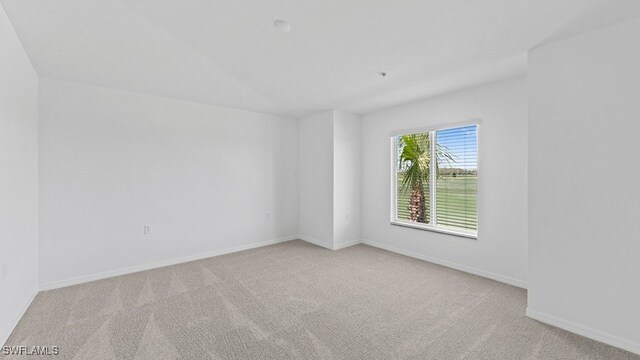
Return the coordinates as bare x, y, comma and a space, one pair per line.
347, 244
584, 331
315, 241
437, 229
327, 246
133, 269
433, 179
4, 336
443, 126
464, 268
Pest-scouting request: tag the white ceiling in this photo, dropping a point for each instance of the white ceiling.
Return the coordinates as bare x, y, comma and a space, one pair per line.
228, 53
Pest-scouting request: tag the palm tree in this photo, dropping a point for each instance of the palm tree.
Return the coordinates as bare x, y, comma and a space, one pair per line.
415, 163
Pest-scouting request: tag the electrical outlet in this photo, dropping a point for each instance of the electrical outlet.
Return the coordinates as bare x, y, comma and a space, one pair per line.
148, 230
3, 270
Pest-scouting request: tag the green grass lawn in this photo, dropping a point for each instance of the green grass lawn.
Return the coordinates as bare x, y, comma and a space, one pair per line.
456, 201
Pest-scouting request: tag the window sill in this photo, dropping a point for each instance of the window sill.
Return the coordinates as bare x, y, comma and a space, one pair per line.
435, 229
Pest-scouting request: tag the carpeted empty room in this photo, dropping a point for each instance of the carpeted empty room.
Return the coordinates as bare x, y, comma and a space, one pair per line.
319, 179
298, 301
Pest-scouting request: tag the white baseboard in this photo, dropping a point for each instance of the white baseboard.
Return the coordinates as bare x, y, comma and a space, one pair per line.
327, 246
467, 269
4, 335
133, 269
584, 331
347, 244
315, 241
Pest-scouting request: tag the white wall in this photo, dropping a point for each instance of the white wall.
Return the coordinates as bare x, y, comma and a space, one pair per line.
316, 178
18, 179
347, 179
501, 249
330, 179
208, 179
584, 252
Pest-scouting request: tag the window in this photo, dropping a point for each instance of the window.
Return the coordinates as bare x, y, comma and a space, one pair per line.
443, 200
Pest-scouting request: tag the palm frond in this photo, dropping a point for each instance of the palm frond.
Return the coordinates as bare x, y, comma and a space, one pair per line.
415, 159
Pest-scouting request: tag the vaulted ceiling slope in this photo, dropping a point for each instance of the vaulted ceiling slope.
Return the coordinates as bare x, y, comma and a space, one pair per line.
228, 53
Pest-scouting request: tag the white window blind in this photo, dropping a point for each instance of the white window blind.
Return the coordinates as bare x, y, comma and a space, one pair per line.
434, 180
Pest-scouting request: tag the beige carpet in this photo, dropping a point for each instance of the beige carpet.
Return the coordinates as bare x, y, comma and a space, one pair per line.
297, 301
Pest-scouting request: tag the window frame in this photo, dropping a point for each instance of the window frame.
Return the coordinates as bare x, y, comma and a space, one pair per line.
393, 185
